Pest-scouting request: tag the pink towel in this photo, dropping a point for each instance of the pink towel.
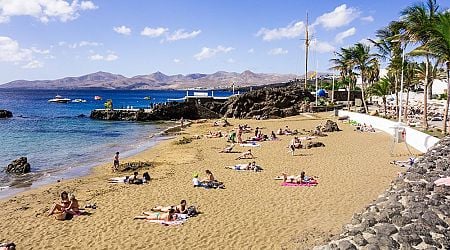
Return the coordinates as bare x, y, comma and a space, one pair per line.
442, 181
290, 184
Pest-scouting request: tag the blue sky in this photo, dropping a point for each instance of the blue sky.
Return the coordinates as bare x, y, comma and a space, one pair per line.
49, 39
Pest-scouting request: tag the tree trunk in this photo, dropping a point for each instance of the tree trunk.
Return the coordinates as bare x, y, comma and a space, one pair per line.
385, 106
430, 90
348, 96
425, 96
406, 107
396, 95
363, 96
448, 99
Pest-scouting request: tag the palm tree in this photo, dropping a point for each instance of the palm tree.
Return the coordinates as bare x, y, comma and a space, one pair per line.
343, 63
409, 76
363, 60
440, 46
418, 21
381, 88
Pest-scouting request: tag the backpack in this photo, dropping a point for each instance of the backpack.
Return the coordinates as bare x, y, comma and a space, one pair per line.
192, 211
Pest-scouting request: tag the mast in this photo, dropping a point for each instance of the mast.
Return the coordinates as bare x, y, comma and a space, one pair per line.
307, 50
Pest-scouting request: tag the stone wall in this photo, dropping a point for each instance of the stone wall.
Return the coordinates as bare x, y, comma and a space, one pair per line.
413, 213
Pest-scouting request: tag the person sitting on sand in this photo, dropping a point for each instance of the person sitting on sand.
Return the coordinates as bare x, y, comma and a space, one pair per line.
73, 207
179, 209
196, 181
61, 207
134, 179
7, 246
280, 132
246, 155
169, 216
273, 136
210, 181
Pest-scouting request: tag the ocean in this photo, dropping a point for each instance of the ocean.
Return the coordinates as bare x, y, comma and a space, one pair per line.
61, 141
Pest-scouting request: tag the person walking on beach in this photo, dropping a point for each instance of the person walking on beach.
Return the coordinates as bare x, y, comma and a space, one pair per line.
116, 162
182, 122
292, 145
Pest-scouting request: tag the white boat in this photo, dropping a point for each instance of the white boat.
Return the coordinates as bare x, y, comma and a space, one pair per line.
78, 100
97, 98
59, 99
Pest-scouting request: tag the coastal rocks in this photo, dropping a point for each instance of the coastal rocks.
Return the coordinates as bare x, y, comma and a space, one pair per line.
413, 213
19, 166
265, 103
330, 126
314, 144
5, 113
132, 166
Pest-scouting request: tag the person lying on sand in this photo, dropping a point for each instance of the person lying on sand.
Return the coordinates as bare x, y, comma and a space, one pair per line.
179, 209
228, 149
250, 166
407, 163
61, 207
302, 178
246, 155
217, 134
169, 216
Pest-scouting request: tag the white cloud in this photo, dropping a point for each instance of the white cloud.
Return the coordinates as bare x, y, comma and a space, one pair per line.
252, 50
109, 57
339, 38
277, 51
33, 65
322, 47
87, 43
88, 5
153, 32
181, 34
367, 19
44, 10
339, 17
176, 60
293, 30
206, 52
10, 51
231, 60
40, 51
124, 30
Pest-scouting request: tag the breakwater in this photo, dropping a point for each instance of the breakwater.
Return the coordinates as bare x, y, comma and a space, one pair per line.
413, 213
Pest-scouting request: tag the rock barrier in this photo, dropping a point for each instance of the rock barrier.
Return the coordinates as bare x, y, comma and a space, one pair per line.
5, 113
413, 213
19, 166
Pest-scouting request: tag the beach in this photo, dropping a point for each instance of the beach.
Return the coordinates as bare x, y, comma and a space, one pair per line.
253, 212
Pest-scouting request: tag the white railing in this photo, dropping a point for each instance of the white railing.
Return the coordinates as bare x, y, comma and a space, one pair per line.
414, 138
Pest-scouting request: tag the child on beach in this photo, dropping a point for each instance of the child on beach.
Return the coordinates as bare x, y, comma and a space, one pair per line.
116, 162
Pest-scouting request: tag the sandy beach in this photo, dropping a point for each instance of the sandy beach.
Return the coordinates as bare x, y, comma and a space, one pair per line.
253, 212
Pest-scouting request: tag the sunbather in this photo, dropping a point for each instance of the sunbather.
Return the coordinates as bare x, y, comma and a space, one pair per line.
302, 178
169, 216
246, 155
250, 166
61, 207
7, 246
407, 163
180, 209
228, 149
73, 207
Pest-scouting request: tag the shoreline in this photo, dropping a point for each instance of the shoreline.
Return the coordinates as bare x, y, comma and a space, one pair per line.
45, 177
264, 209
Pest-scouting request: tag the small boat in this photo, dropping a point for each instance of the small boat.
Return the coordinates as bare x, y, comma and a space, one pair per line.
79, 100
147, 98
59, 99
97, 98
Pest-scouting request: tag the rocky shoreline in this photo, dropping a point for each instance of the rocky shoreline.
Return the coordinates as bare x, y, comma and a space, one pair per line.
5, 113
413, 213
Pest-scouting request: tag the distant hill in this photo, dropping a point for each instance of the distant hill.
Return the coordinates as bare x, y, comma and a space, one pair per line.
157, 80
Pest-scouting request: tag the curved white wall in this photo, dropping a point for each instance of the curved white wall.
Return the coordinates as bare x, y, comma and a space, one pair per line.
414, 138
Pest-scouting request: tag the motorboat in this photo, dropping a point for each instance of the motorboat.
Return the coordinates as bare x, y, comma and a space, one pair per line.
79, 100
59, 99
97, 98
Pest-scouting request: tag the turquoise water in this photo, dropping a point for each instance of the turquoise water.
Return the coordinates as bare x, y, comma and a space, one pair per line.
61, 141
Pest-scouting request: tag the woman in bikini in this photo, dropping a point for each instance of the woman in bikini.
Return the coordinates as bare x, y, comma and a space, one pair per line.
65, 203
179, 209
169, 216
73, 207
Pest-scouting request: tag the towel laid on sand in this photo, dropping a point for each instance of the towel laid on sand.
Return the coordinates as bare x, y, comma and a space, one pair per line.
250, 145
181, 218
443, 181
303, 184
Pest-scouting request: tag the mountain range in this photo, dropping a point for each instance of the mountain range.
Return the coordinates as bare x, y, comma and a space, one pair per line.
157, 80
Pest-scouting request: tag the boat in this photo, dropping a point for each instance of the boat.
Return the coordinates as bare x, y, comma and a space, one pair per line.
79, 100
59, 99
97, 98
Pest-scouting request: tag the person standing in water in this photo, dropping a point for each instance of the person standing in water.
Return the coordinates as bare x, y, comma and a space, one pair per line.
116, 162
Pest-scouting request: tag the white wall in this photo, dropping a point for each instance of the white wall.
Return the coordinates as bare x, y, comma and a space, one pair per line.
414, 138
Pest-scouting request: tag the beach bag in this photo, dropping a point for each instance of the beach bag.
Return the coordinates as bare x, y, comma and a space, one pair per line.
192, 211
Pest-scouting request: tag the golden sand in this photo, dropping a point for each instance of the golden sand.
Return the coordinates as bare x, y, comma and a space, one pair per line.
253, 212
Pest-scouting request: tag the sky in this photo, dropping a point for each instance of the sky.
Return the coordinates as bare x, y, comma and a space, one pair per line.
51, 39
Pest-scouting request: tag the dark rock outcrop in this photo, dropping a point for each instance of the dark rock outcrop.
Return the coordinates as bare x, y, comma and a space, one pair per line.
133, 166
5, 113
19, 166
315, 144
264, 103
330, 126
413, 212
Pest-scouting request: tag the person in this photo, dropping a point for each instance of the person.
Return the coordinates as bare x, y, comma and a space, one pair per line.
240, 166
116, 162
228, 149
65, 202
182, 122
280, 132
245, 155
273, 136
292, 145
196, 181
256, 131
169, 216
239, 134
7, 246
134, 179
232, 137
179, 209
73, 207
302, 178
210, 176
146, 177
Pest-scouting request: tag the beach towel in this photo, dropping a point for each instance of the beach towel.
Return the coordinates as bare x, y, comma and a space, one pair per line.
117, 180
253, 144
181, 218
303, 184
443, 181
